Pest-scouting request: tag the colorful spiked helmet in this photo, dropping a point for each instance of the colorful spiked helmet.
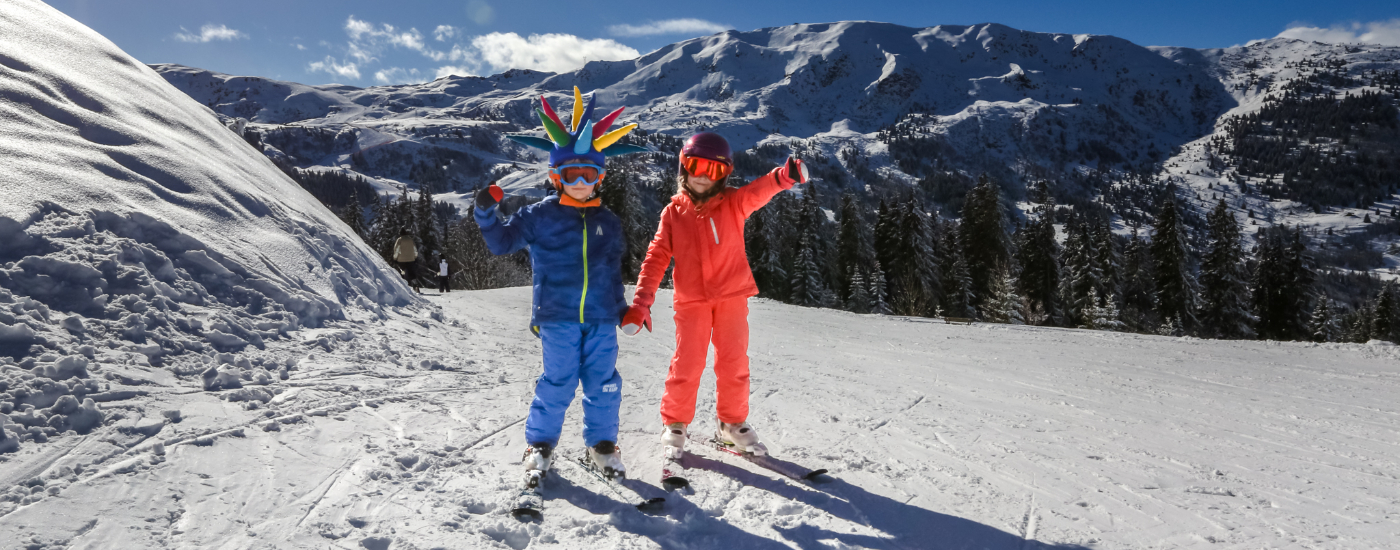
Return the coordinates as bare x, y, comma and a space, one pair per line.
583, 139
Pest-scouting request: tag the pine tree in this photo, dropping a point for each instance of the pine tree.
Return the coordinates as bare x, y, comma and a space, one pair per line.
878, 292
1283, 285
1081, 287
1323, 324
806, 276
1110, 263
1359, 329
957, 284
1384, 314
1006, 305
354, 217
983, 238
887, 231
1172, 267
619, 195
765, 252
1137, 285
1039, 254
921, 263
1224, 294
1170, 327
1104, 316
854, 248
858, 300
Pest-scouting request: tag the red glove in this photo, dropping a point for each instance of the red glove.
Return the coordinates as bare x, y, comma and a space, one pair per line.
489, 197
793, 171
636, 318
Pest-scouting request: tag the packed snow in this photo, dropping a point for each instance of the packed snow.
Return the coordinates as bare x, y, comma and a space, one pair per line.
408, 434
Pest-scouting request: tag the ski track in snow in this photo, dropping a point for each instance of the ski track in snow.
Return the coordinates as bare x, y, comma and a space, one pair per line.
936, 435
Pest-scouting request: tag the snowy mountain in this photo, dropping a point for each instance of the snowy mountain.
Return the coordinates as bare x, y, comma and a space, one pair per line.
882, 111
989, 85
131, 216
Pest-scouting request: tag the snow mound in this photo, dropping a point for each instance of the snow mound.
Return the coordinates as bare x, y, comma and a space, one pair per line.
134, 219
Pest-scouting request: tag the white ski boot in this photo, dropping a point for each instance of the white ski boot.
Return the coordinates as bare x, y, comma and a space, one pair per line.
538, 457
673, 473
673, 440
607, 457
741, 437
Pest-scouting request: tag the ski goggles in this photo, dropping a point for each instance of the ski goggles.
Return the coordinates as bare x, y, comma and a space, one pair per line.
700, 166
577, 174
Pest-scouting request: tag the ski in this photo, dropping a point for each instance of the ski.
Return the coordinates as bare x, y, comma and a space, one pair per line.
672, 471
794, 471
530, 502
623, 492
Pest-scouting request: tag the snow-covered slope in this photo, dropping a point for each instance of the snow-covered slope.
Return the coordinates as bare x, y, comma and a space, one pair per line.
133, 219
408, 435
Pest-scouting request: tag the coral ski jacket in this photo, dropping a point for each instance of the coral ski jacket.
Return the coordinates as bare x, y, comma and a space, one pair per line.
708, 245
576, 255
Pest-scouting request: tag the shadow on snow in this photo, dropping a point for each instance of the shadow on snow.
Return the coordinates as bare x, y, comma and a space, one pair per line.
684, 525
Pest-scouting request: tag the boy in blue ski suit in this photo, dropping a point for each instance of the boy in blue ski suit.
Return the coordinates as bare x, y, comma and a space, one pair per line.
575, 247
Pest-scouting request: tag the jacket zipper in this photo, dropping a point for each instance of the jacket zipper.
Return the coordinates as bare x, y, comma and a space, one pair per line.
713, 230
584, 214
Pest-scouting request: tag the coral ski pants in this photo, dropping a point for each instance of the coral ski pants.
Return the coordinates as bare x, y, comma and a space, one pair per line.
726, 324
574, 353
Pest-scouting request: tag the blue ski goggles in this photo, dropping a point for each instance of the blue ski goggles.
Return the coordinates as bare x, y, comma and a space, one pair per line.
577, 174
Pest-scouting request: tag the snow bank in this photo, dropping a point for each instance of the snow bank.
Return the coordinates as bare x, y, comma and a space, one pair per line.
138, 230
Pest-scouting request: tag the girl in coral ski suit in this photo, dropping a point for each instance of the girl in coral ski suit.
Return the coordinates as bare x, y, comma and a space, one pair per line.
703, 230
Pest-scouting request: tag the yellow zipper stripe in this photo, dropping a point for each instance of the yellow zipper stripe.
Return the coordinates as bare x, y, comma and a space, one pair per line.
581, 299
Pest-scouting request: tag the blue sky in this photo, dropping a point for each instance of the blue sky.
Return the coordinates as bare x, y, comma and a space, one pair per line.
365, 43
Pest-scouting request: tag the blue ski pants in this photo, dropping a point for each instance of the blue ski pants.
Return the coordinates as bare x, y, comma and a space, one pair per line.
576, 353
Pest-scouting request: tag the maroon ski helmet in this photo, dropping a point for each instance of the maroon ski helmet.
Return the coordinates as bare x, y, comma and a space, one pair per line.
708, 145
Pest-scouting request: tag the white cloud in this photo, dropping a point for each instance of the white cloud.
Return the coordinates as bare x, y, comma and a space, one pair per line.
480, 12
396, 75
209, 33
692, 27
448, 70
329, 65
300, 47
468, 56
1385, 33
547, 52
366, 39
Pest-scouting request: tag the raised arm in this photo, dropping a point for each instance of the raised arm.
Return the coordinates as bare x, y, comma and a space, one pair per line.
753, 196
501, 237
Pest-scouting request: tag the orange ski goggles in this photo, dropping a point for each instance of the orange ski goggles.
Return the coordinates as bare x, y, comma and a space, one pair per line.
577, 174
699, 166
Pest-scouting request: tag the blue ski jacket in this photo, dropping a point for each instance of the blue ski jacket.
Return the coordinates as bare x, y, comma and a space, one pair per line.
576, 255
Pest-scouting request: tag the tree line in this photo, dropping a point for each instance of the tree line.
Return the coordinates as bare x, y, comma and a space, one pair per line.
1059, 266
1062, 267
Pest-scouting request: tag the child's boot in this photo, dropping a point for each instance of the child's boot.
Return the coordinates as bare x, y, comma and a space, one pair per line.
740, 436
607, 456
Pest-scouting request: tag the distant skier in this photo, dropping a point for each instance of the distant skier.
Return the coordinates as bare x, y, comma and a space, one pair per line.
703, 230
444, 276
406, 255
576, 248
